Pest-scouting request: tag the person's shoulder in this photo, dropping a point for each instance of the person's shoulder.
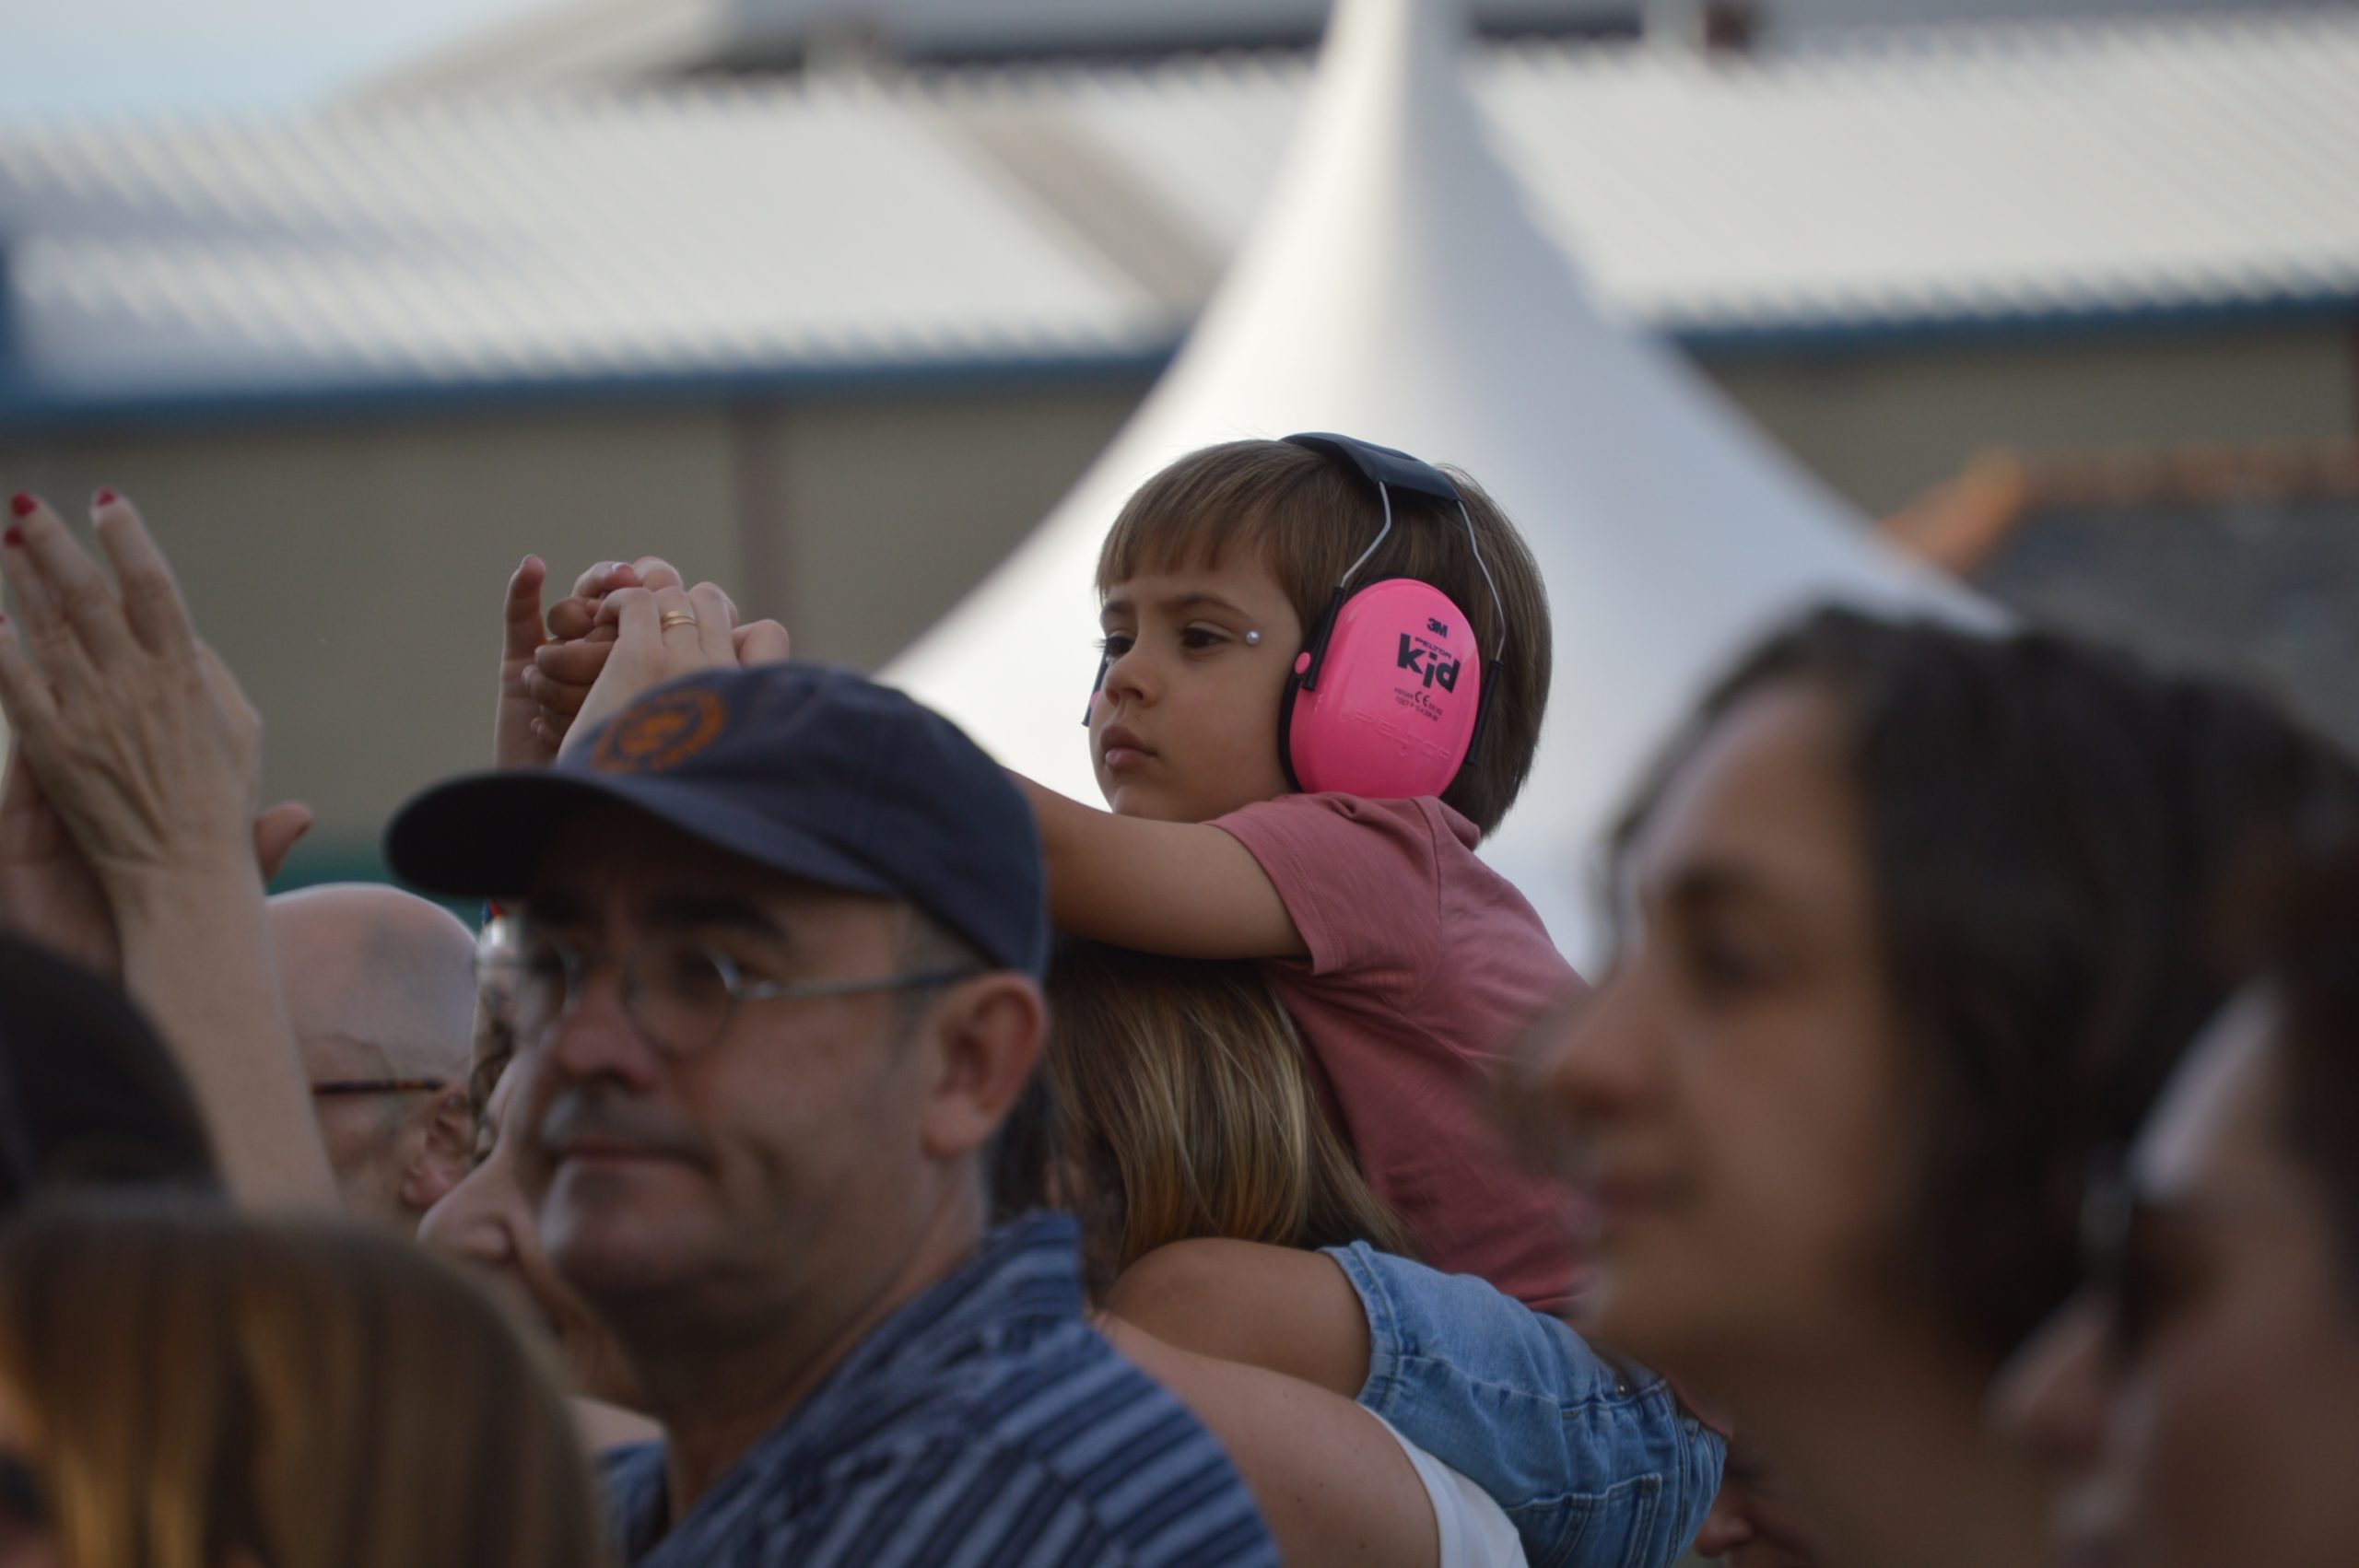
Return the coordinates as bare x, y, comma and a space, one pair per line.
1334, 805
1084, 1424
631, 1478
1331, 818
1072, 1456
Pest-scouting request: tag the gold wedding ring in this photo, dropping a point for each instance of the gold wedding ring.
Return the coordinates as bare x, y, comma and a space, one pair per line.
675, 618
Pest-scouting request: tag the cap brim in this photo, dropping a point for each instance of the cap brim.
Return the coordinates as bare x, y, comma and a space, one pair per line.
484, 836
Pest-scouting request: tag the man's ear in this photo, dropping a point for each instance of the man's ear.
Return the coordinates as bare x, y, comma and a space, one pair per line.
443, 1155
989, 1033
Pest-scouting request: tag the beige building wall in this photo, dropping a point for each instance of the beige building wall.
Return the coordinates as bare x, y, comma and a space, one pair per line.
351, 573
350, 570
1880, 427
882, 512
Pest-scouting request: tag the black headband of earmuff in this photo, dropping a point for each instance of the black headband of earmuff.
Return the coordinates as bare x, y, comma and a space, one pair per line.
1382, 465
1389, 468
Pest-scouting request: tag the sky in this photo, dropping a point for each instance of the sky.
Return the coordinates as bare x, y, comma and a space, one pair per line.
94, 60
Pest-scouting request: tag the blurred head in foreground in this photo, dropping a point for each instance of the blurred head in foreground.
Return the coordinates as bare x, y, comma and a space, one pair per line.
2202, 1393
181, 1388
1913, 921
88, 1096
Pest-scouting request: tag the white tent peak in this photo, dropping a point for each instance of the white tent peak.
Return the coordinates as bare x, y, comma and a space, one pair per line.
1395, 289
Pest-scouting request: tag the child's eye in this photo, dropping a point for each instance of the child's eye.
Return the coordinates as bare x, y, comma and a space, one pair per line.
1113, 645
1197, 638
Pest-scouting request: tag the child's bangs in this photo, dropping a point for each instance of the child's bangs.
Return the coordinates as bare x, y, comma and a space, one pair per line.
1185, 518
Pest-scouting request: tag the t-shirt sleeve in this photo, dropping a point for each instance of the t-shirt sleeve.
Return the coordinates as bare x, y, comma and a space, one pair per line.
1361, 878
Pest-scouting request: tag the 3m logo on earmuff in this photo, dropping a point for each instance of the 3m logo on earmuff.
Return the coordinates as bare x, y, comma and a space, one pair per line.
1436, 669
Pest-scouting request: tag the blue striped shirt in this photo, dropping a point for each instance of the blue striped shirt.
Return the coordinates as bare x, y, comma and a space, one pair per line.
984, 1424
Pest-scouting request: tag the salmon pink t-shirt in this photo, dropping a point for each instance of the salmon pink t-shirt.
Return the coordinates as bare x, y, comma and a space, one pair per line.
1423, 963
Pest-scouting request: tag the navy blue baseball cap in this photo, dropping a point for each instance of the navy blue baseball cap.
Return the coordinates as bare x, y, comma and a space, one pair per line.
807, 769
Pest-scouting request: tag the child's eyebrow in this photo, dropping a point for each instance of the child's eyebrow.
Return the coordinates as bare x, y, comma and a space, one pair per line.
1177, 604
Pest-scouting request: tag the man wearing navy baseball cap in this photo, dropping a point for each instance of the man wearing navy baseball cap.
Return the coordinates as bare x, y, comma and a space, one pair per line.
776, 986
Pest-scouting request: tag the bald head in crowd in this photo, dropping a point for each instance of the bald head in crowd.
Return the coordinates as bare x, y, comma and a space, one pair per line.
380, 987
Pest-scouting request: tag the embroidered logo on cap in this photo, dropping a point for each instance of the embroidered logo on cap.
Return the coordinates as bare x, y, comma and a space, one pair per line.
661, 733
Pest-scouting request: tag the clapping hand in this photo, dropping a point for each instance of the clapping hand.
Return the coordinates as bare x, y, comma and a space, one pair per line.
137, 753
128, 831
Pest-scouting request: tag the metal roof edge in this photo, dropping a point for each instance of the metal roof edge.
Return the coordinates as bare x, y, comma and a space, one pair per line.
2282, 308
26, 407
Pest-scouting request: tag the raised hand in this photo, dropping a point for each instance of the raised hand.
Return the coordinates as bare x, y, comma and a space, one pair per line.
515, 738
139, 737
665, 632
567, 664
48, 892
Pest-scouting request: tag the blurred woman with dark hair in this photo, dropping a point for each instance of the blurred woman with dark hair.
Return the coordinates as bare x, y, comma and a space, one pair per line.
1912, 921
181, 1388
2201, 1394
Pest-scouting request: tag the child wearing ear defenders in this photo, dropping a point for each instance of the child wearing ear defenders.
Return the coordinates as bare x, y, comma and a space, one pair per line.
1407, 963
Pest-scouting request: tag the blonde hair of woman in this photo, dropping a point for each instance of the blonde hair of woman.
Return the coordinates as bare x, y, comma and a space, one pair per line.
1184, 1107
185, 1388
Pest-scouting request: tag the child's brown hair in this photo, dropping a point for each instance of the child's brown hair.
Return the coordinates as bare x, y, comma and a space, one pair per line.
1308, 516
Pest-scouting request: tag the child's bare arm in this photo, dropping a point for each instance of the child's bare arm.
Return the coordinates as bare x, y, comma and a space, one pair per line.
1181, 889
1279, 1307
1333, 1486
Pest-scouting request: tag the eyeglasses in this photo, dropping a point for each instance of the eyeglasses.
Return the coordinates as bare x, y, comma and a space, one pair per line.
336, 1086
678, 992
2116, 1264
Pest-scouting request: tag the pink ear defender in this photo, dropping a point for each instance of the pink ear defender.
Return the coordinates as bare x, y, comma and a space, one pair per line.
1390, 696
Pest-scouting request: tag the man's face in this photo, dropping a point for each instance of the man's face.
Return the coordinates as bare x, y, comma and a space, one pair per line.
379, 989
1185, 727
375, 1141
2205, 1410
768, 1170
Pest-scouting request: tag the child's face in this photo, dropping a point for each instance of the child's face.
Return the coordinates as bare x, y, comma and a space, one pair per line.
1185, 728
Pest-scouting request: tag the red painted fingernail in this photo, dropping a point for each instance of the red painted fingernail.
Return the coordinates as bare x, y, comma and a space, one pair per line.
14, 538
105, 498
21, 505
